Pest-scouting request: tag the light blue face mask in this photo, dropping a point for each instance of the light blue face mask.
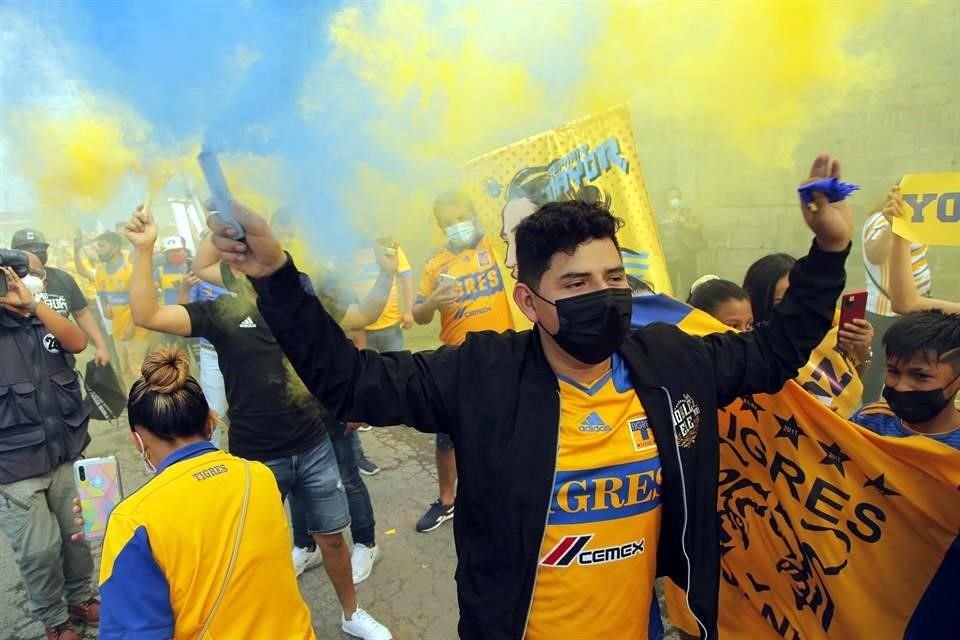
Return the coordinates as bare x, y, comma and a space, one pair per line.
461, 234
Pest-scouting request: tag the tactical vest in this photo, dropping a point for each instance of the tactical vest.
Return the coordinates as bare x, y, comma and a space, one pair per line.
43, 419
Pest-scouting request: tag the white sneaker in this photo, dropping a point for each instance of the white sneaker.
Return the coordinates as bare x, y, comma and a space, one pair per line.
304, 559
363, 559
362, 625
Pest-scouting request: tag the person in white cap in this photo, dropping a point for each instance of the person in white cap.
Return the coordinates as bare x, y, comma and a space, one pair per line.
170, 274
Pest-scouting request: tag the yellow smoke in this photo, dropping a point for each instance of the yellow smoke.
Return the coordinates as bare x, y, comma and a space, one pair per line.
75, 159
451, 81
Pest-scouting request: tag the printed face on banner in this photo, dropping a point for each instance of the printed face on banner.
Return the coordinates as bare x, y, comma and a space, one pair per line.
594, 160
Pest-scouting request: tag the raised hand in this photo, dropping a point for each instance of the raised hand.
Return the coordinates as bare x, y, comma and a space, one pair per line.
141, 230
259, 255
18, 295
894, 206
831, 222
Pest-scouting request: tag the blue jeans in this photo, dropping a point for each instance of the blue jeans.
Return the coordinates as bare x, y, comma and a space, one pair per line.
312, 476
385, 340
362, 524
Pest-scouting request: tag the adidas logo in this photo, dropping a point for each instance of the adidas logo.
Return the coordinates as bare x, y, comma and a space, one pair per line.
248, 323
593, 424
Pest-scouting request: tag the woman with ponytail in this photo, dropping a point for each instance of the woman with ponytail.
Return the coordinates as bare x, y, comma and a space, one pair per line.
203, 549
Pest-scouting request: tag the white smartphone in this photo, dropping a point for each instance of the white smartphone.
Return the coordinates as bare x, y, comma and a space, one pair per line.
447, 279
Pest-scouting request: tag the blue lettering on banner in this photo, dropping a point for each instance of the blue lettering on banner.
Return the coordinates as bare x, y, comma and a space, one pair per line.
583, 165
607, 493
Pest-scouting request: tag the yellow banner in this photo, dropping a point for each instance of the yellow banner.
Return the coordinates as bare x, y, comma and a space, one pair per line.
595, 159
932, 214
828, 530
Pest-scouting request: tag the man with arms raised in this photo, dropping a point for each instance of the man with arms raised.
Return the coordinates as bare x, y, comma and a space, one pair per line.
587, 453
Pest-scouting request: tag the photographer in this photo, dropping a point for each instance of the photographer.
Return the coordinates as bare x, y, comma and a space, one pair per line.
43, 429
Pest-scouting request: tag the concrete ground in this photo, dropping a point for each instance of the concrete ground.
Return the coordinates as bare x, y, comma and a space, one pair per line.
411, 590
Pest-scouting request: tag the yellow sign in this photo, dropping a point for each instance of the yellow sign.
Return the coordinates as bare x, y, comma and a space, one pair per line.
594, 159
932, 214
827, 529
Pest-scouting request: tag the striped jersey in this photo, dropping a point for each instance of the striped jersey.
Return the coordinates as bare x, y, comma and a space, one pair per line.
879, 418
878, 302
598, 556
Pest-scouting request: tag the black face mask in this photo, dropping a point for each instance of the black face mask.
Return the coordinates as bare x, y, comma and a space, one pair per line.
593, 325
917, 407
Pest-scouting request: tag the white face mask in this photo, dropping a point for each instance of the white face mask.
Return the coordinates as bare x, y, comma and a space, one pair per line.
149, 466
674, 203
461, 234
34, 284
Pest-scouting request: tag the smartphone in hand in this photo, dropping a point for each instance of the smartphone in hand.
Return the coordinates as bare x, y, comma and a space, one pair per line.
853, 306
217, 184
98, 485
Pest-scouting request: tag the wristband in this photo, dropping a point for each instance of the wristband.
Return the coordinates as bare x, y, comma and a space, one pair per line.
833, 189
32, 309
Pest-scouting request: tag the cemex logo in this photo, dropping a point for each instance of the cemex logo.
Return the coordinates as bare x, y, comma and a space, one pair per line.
572, 550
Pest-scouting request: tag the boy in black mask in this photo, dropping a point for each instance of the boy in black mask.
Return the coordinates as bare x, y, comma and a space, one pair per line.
922, 380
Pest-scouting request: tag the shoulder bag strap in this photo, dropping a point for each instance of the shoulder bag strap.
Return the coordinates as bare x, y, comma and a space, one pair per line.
233, 556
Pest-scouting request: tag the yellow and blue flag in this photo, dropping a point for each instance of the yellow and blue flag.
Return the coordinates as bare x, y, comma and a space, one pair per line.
828, 530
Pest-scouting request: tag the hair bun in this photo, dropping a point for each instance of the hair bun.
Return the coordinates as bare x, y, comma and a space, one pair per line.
166, 370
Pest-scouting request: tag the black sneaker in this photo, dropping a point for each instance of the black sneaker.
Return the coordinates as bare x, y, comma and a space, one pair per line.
366, 467
435, 516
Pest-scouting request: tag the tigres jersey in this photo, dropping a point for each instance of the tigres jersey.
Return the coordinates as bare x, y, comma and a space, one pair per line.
598, 556
482, 303
113, 287
879, 418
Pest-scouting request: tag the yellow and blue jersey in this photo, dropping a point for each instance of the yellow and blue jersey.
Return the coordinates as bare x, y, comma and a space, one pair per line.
604, 520
168, 547
113, 288
482, 303
169, 278
880, 418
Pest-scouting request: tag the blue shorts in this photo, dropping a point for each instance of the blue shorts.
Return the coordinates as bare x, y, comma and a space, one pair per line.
385, 340
314, 478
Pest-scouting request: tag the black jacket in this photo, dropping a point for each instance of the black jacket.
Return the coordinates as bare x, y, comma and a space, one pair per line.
498, 399
43, 419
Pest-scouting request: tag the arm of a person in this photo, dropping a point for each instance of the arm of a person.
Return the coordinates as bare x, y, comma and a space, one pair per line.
904, 297
134, 592
762, 360
206, 265
88, 323
366, 312
69, 335
876, 242
419, 390
425, 306
147, 312
405, 289
78, 264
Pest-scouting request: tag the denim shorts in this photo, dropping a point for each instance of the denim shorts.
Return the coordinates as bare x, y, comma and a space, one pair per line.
386, 340
314, 478
444, 442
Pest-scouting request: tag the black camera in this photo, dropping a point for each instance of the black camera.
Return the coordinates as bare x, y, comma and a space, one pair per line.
16, 260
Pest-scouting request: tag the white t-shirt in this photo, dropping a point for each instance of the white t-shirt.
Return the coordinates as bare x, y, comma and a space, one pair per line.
878, 303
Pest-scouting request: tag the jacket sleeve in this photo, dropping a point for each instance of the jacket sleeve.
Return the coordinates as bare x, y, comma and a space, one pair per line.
416, 389
134, 592
763, 360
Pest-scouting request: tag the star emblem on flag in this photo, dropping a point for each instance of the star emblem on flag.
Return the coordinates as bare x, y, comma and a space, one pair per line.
880, 484
749, 404
790, 430
834, 456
